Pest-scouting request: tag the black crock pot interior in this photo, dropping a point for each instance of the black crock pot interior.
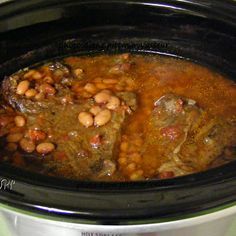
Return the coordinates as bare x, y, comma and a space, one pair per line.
37, 30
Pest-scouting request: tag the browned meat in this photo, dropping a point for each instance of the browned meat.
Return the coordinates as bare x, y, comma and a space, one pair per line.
87, 152
48, 92
181, 132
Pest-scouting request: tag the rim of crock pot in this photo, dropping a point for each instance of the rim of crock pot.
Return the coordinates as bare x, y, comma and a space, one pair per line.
154, 221
223, 9
218, 175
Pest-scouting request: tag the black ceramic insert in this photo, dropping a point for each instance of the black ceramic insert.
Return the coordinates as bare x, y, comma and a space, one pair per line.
37, 30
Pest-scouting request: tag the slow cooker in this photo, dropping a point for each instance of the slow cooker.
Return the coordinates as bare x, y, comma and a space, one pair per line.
199, 204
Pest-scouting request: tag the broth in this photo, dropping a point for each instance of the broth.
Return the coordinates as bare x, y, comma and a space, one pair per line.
120, 117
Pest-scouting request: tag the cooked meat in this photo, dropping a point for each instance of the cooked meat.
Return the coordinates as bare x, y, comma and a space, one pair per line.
180, 133
35, 104
167, 130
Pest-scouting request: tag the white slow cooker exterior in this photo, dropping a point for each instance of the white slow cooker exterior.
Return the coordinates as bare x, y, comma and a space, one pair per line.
18, 223
218, 222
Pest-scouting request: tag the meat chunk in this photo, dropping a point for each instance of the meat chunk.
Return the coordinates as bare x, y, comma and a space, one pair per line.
41, 91
206, 141
188, 137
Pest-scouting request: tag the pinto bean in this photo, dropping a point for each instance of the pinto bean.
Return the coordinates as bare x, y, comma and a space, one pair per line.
45, 148
113, 103
34, 74
78, 72
14, 138
102, 118
97, 80
19, 121
22, 87
137, 175
102, 97
124, 146
27, 145
39, 96
102, 86
95, 110
30, 93
122, 161
37, 75
85, 118
110, 81
90, 88
131, 167
28, 74
135, 157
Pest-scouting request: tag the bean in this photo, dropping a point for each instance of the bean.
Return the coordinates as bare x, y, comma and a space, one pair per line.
137, 175
91, 88
122, 154
102, 97
27, 145
14, 138
135, 157
16, 129
131, 167
110, 81
30, 93
106, 91
113, 103
124, 146
37, 75
29, 74
39, 96
122, 161
33, 74
97, 80
138, 141
22, 87
102, 118
95, 110
85, 118
78, 72
19, 121
102, 86
45, 148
